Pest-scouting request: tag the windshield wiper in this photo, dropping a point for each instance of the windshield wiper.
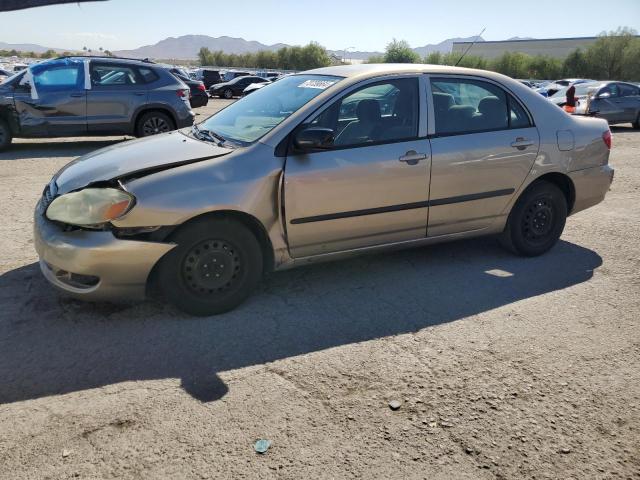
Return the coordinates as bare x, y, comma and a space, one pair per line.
209, 136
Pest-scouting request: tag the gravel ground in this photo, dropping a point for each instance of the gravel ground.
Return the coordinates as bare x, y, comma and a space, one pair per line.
506, 368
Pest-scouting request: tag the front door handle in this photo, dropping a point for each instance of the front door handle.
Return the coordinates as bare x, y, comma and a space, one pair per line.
139, 93
412, 157
77, 95
521, 143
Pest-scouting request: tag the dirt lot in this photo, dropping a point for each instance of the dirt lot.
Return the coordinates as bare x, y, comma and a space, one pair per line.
505, 367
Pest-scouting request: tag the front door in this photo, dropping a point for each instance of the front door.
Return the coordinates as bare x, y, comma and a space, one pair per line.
56, 104
608, 104
371, 186
483, 147
117, 90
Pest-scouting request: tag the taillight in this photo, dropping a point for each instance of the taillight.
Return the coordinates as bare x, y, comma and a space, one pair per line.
201, 87
606, 138
184, 92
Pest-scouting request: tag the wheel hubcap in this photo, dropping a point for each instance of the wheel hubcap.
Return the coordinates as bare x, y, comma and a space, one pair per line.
538, 220
212, 266
155, 125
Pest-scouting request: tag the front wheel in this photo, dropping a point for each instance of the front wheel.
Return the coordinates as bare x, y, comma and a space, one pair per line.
536, 220
215, 266
228, 93
636, 124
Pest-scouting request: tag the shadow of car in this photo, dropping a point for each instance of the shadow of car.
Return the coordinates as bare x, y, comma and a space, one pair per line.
52, 345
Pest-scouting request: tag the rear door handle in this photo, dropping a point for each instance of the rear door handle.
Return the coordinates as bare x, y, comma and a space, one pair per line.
139, 93
521, 143
77, 95
412, 157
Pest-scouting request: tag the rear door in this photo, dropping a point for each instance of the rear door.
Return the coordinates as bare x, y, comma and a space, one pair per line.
56, 103
372, 186
117, 89
483, 145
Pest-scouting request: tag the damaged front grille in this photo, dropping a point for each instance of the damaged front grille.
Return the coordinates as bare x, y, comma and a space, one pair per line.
50, 192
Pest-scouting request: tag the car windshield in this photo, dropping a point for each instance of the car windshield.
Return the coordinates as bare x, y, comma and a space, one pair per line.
248, 119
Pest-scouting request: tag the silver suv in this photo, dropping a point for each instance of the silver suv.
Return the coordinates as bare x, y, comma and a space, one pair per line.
74, 96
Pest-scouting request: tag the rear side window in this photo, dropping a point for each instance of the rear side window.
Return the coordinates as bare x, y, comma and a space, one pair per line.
148, 75
103, 75
467, 106
629, 90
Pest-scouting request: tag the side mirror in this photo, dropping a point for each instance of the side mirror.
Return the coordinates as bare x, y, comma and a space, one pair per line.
314, 138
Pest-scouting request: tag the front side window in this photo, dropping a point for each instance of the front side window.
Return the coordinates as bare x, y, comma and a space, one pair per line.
467, 106
610, 90
111, 75
382, 112
248, 119
57, 77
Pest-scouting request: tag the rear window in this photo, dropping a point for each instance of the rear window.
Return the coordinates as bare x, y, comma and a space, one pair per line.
113, 75
147, 74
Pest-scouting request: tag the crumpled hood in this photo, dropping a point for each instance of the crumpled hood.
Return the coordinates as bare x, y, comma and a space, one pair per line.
136, 156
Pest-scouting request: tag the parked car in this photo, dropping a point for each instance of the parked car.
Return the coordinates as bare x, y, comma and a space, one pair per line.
283, 178
551, 88
4, 74
198, 93
235, 87
208, 76
231, 74
616, 102
116, 96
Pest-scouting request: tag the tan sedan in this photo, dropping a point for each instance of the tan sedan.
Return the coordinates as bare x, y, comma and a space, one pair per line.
318, 166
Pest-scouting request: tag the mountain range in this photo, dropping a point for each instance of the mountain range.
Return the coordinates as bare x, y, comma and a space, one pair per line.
186, 47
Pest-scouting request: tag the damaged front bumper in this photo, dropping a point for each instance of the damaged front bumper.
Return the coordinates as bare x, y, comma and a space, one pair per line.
94, 265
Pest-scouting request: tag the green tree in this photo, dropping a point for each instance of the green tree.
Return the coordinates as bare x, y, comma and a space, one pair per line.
434, 58
375, 59
605, 57
399, 51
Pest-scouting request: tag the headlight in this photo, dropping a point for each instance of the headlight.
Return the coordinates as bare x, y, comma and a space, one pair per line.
90, 207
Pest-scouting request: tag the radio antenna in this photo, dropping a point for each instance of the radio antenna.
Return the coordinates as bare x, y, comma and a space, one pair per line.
469, 47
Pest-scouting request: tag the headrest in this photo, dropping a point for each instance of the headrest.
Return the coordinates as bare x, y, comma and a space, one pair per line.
442, 101
491, 105
368, 110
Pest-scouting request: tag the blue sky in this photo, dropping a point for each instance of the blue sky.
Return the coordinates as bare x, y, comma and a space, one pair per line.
362, 24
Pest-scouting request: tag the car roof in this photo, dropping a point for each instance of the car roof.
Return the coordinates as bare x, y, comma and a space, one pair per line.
106, 59
365, 70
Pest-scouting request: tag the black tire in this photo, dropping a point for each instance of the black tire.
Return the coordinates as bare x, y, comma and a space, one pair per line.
228, 94
153, 123
5, 135
536, 220
215, 266
636, 124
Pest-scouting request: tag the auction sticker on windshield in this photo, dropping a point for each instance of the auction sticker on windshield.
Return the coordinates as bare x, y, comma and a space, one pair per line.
319, 84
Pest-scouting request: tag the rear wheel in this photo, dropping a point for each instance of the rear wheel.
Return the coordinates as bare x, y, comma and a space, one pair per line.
636, 124
216, 264
152, 123
536, 220
5, 135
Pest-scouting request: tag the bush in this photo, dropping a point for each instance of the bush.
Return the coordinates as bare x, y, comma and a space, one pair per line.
310, 56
